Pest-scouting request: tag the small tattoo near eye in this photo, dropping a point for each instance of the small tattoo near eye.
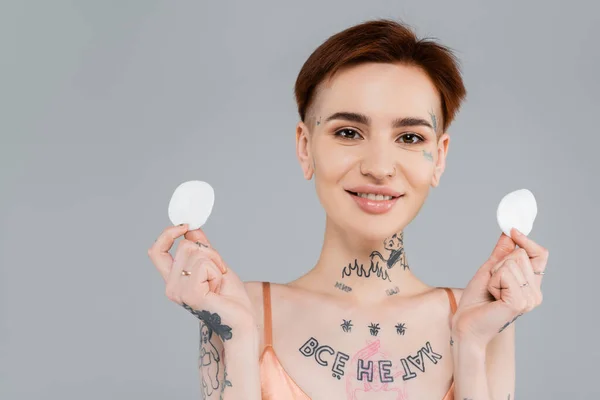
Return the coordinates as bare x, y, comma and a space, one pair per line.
319, 121
433, 120
427, 155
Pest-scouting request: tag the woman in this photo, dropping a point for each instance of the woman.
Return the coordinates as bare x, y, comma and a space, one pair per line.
375, 104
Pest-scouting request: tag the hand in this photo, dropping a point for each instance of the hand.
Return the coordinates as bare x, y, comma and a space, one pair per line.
211, 291
502, 290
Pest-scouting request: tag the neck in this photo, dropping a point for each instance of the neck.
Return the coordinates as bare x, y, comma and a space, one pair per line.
362, 269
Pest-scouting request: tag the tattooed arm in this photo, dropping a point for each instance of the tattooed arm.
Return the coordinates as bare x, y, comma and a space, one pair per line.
500, 361
228, 368
485, 374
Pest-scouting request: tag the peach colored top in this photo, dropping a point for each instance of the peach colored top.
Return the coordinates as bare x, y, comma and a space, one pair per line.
275, 383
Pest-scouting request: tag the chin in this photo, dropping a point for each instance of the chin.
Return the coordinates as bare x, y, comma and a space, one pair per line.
370, 228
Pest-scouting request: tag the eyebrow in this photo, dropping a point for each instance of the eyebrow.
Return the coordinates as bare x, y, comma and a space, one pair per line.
365, 120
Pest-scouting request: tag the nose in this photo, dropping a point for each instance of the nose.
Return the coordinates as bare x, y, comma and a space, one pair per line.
378, 160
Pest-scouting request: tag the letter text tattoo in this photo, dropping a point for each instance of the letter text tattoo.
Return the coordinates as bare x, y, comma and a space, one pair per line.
343, 287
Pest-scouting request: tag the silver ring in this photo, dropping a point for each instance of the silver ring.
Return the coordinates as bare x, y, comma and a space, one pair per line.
185, 273
525, 284
539, 272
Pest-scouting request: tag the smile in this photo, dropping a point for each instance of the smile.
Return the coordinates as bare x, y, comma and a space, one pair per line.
374, 203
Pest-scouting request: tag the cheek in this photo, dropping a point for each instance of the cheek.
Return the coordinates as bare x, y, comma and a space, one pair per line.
417, 168
333, 163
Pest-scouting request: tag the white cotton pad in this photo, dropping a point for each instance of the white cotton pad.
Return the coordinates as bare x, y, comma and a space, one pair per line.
191, 203
517, 209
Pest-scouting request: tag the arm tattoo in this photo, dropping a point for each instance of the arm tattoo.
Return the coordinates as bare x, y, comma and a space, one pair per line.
209, 360
508, 323
212, 321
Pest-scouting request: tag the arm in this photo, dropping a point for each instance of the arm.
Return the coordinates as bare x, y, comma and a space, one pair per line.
229, 370
485, 373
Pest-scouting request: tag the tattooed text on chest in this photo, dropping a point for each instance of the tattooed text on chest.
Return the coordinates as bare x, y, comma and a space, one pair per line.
370, 370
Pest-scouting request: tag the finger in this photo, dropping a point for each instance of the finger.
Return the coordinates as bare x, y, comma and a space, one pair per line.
533, 290
204, 271
197, 235
511, 301
518, 286
537, 254
207, 252
504, 246
505, 285
185, 250
159, 251
213, 255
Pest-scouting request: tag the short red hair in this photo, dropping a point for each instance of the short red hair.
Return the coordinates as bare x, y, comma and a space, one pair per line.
384, 41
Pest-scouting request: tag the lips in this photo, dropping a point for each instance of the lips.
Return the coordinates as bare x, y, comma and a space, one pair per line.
374, 206
356, 194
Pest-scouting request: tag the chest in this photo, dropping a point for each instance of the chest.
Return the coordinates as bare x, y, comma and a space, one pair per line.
381, 354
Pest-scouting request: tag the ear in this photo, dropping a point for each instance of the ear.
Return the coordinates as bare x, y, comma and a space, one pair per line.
440, 165
303, 150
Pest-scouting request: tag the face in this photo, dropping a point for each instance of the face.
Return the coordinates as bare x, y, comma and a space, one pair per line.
204, 334
347, 152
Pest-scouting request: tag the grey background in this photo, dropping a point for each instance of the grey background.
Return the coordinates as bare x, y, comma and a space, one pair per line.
106, 106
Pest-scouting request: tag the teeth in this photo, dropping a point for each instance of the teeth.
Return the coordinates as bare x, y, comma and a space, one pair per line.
372, 196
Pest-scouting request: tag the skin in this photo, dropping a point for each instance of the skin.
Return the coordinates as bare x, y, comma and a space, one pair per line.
381, 155
399, 340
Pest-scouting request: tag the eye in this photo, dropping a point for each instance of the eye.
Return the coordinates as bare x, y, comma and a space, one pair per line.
411, 138
351, 135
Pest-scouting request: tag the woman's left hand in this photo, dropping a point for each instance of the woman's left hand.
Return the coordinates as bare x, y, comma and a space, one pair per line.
506, 286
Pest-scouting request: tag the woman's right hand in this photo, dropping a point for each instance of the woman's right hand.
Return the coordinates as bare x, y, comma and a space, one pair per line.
211, 291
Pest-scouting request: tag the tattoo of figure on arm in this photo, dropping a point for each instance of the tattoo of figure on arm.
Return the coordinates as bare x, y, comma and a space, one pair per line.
508, 323
208, 361
209, 358
212, 321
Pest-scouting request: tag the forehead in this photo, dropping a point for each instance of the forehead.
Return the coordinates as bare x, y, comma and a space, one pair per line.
380, 90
